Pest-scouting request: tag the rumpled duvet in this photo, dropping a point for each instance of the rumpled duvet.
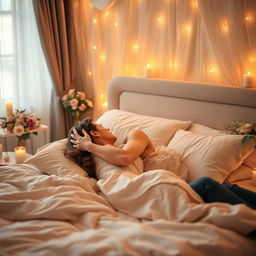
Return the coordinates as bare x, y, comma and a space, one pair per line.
125, 213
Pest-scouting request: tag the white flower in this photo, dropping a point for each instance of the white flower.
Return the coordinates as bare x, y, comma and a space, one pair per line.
18, 130
71, 92
245, 128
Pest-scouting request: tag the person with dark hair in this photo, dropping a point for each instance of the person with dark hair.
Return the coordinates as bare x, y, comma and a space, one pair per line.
88, 138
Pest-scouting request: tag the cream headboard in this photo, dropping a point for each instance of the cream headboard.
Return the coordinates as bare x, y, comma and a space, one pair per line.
211, 105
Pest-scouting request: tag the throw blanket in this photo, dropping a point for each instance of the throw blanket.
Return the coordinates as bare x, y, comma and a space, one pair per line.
160, 194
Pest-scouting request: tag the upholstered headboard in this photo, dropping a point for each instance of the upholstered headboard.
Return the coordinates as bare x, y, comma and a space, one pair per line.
207, 104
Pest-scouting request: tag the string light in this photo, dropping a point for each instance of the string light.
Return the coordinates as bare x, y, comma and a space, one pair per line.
135, 47
94, 47
89, 73
116, 24
106, 14
225, 26
252, 59
94, 21
160, 20
188, 28
212, 69
248, 19
102, 57
194, 3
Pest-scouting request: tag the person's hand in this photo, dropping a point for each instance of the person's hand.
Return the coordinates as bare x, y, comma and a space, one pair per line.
80, 142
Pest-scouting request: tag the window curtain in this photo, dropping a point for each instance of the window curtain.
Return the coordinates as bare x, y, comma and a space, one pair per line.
57, 36
211, 41
24, 76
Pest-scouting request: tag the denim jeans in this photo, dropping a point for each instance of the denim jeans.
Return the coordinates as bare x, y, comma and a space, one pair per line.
212, 191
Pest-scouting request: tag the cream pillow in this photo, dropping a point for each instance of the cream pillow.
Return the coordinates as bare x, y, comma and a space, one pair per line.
250, 161
212, 156
50, 159
160, 130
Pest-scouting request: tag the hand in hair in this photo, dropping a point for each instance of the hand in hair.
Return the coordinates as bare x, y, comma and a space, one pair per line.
81, 142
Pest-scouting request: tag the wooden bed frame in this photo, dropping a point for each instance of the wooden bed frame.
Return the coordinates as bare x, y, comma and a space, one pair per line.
208, 104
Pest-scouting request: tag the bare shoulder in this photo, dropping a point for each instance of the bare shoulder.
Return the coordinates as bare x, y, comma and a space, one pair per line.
138, 134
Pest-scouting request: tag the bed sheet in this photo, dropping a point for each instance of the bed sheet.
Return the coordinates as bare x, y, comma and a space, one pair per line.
52, 215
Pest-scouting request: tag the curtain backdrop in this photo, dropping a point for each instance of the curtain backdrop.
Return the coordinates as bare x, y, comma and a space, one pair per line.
24, 76
57, 36
203, 41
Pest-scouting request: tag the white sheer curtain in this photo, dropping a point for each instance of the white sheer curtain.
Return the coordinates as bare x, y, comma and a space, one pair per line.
204, 41
24, 76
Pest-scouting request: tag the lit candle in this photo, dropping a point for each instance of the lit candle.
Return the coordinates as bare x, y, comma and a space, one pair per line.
148, 72
1, 150
248, 80
254, 177
20, 153
8, 109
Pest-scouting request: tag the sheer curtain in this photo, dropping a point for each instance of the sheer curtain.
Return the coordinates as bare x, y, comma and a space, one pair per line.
24, 76
210, 41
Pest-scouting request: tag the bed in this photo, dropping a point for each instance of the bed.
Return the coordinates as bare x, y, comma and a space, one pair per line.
49, 206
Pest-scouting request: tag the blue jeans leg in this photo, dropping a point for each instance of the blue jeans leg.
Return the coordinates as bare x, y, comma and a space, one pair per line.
212, 191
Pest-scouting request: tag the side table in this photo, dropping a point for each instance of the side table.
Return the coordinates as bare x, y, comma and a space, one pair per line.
12, 158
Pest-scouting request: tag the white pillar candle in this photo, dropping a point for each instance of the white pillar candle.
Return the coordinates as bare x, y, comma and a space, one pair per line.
254, 176
20, 154
9, 110
1, 150
148, 71
248, 80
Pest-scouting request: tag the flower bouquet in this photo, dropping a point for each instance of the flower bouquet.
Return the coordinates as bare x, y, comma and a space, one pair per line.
76, 103
21, 124
248, 129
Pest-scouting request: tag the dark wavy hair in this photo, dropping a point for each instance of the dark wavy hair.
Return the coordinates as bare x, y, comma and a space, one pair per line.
82, 158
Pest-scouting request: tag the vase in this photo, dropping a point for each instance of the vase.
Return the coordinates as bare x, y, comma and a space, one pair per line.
21, 142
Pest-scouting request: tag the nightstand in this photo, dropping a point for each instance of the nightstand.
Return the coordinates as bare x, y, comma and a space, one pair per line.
12, 158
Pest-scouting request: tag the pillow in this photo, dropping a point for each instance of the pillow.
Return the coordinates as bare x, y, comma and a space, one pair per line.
250, 161
160, 130
212, 156
50, 159
204, 130
243, 172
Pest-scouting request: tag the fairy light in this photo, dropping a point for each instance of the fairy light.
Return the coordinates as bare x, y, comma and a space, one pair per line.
89, 73
225, 26
160, 20
103, 100
94, 21
188, 28
106, 14
194, 3
252, 59
102, 57
116, 24
135, 47
212, 69
94, 47
248, 19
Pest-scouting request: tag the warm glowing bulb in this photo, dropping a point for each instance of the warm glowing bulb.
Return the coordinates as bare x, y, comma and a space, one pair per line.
248, 19
252, 59
135, 47
105, 104
195, 3
160, 20
225, 27
212, 69
106, 14
116, 24
148, 66
89, 73
248, 73
188, 28
94, 21
94, 47
102, 57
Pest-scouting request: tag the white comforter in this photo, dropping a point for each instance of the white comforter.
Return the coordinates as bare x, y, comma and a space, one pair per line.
52, 215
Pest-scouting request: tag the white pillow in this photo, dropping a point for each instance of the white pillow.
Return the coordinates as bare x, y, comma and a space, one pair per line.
212, 156
52, 160
159, 130
204, 130
243, 172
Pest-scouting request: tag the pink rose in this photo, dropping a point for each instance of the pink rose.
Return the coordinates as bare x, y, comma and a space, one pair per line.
18, 130
81, 95
82, 108
65, 98
89, 103
73, 103
3, 124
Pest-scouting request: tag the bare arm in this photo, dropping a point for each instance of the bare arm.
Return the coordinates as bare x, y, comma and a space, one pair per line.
137, 141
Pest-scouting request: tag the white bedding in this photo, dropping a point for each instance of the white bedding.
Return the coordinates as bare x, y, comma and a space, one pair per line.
53, 215
49, 206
